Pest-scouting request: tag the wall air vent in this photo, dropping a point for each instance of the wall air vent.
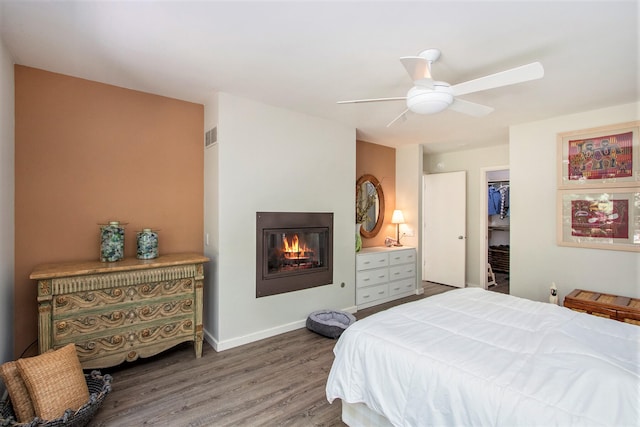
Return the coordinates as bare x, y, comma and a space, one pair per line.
211, 137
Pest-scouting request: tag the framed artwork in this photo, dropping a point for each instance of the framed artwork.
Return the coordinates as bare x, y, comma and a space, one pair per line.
599, 218
603, 157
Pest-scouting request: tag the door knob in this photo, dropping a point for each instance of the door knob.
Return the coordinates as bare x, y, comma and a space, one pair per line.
460, 237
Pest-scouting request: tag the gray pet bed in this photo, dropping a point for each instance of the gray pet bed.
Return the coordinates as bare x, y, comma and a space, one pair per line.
329, 323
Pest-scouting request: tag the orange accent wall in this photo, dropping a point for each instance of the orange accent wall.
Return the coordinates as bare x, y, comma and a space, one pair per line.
379, 161
88, 153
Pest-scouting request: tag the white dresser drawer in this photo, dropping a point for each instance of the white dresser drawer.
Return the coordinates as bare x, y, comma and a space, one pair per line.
402, 257
372, 260
373, 293
402, 286
372, 277
402, 271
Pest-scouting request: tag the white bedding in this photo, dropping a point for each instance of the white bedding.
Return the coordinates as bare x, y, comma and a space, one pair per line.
470, 357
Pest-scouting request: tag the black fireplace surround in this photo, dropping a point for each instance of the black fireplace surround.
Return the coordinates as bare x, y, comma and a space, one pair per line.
294, 251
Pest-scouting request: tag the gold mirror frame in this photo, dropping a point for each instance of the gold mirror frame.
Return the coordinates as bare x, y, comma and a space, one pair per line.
376, 184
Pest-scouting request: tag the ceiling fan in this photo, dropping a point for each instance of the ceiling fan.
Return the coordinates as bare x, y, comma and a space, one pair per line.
429, 96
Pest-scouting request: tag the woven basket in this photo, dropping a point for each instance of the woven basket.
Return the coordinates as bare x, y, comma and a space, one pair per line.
99, 386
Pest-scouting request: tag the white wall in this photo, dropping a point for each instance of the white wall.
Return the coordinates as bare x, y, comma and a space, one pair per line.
211, 237
7, 123
536, 259
271, 159
472, 161
409, 197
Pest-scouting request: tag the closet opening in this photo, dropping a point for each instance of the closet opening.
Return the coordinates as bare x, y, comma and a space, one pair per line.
496, 218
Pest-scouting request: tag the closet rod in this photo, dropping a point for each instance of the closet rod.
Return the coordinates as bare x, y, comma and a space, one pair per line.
498, 182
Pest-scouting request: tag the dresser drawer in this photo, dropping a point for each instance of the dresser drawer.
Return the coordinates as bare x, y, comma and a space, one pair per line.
402, 286
117, 316
373, 293
372, 260
402, 271
80, 301
130, 343
372, 277
402, 257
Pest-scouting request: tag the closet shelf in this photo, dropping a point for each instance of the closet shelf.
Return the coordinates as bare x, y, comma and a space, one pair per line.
499, 227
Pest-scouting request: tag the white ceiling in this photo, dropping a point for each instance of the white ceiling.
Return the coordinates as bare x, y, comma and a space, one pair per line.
306, 55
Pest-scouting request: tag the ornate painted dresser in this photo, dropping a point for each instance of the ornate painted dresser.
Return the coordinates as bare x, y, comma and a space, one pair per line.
119, 311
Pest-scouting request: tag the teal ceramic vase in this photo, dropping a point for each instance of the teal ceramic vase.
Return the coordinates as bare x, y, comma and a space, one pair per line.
111, 242
147, 244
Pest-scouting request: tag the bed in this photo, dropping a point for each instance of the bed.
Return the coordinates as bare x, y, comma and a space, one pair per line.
471, 357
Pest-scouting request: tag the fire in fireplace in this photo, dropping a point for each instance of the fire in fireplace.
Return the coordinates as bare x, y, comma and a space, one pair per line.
293, 251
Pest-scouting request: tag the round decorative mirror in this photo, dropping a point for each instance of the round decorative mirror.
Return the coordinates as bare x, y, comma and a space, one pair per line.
369, 205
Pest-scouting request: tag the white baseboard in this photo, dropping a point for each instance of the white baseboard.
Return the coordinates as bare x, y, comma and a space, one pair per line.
259, 335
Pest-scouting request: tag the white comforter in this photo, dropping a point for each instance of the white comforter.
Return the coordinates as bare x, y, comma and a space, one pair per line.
469, 357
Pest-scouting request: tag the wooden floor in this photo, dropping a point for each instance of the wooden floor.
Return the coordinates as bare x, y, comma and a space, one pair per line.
278, 381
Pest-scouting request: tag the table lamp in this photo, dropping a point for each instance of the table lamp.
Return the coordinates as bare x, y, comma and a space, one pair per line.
397, 218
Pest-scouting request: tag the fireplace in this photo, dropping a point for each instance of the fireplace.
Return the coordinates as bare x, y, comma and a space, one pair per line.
294, 251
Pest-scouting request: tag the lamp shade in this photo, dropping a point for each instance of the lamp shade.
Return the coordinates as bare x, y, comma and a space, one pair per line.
397, 217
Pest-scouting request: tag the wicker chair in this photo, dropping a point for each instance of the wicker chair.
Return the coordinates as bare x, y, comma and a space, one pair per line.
99, 386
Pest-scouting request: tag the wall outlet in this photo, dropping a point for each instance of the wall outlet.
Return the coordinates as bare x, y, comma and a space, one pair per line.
408, 232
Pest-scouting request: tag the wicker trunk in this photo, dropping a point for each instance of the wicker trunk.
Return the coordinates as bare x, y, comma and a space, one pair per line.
623, 309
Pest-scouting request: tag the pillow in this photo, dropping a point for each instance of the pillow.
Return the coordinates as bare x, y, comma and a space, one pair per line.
55, 382
18, 393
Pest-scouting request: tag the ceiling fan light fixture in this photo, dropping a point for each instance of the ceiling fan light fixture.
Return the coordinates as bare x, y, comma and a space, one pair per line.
427, 101
428, 96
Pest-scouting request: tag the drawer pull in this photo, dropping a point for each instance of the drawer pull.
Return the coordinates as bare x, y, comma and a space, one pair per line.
367, 262
381, 293
381, 276
365, 296
366, 280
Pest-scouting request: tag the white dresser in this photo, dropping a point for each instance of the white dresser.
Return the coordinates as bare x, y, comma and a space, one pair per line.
384, 274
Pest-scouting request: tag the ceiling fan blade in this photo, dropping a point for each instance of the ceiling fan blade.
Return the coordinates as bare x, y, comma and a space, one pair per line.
358, 101
470, 108
402, 116
417, 67
520, 74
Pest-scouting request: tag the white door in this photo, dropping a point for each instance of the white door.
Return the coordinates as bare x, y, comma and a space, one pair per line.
444, 238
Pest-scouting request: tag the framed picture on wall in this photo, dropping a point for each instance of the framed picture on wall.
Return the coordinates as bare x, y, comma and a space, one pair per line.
599, 219
603, 157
